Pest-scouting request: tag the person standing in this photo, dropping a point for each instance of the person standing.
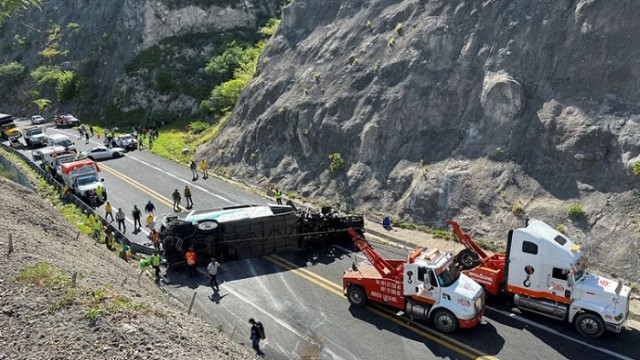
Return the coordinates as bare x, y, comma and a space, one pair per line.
100, 193
86, 138
187, 196
176, 200
108, 239
192, 261
155, 262
120, 220
136, 213
194, 170
150, 222
91, 130
93, 199
257, 334
149, 208
108, 211
278, 196
212, 270
155, 239
203, 167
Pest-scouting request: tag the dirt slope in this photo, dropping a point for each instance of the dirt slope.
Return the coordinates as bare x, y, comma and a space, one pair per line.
52, 321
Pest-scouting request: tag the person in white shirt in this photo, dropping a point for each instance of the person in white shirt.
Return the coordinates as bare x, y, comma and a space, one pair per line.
212, 270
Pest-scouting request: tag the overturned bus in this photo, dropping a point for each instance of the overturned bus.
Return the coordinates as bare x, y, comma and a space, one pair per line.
245, 231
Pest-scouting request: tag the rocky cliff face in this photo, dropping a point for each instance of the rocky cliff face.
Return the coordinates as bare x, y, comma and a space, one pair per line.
486, 112
118, 47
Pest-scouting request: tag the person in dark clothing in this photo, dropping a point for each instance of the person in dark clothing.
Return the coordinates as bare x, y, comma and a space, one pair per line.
150, 208
187, 196
194, 170
86, 137
257, 334
136, 217
176, 200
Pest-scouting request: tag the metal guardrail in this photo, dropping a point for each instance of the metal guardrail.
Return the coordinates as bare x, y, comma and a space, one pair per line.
88, 210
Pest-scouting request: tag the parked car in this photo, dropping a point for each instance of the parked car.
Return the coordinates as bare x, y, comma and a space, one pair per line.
126, 141
60, 140
101, 153
66, 121
37, 120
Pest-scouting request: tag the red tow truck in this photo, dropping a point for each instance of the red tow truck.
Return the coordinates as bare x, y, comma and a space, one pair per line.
427, 286
546, 273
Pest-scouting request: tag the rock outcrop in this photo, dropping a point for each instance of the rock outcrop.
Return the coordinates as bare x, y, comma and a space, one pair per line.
487, 112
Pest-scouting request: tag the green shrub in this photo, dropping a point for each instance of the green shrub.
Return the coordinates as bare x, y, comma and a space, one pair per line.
198, 126
11, 70
561, 228
518, 208
65, 82
73, 27
636, 168
575, 212
337, 162
399, 27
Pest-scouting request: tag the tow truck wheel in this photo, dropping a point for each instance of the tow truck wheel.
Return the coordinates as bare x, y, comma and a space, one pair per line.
356, 296
468, 259
445, 321
589, 325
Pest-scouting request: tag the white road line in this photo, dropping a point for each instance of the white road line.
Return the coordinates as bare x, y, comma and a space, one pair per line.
557, 333
268, 314
165, 172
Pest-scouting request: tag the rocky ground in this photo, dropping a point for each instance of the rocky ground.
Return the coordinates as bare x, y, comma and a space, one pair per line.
107, 315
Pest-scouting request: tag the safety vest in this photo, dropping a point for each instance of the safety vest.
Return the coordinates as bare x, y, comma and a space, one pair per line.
191, 258
155, 260
203, 165
99, 191
97, 225
107, 208
278, 194
150, 219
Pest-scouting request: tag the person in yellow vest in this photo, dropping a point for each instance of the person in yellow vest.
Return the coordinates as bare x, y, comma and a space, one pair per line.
203, 168
150, 222
100, 193
155, 262
278, 195
108, 211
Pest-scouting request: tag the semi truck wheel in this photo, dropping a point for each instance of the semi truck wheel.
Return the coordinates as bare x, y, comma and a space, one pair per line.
356, 296
468, 259
445, 321
589, 325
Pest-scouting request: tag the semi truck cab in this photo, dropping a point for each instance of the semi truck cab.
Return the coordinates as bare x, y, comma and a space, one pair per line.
548, 273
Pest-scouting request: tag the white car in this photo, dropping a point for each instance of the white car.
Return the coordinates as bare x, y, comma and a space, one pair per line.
101, 153
37, 119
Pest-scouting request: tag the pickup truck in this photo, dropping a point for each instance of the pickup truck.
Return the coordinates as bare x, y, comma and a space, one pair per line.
35, 136
66, 121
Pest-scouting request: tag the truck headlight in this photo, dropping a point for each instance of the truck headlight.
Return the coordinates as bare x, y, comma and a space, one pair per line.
478, 304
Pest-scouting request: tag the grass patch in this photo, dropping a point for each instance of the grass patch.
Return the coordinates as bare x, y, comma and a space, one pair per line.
518, 208
43, 275
105, 301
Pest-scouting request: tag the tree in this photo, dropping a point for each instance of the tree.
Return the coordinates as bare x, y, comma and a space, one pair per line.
8, 7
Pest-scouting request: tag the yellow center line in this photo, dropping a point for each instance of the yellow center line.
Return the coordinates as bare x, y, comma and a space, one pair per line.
430, 334
138, 185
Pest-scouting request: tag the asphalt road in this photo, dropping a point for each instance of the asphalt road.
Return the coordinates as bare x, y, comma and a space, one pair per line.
298, 295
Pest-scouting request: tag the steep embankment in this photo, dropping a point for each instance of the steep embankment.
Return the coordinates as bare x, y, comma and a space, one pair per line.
487, 112
107, 315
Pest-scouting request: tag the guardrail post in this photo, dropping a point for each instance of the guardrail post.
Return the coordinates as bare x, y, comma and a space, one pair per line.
193, 299
10, 250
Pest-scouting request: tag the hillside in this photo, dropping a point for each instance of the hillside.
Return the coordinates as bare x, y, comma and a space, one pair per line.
126, 62
486, 112
104, 317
